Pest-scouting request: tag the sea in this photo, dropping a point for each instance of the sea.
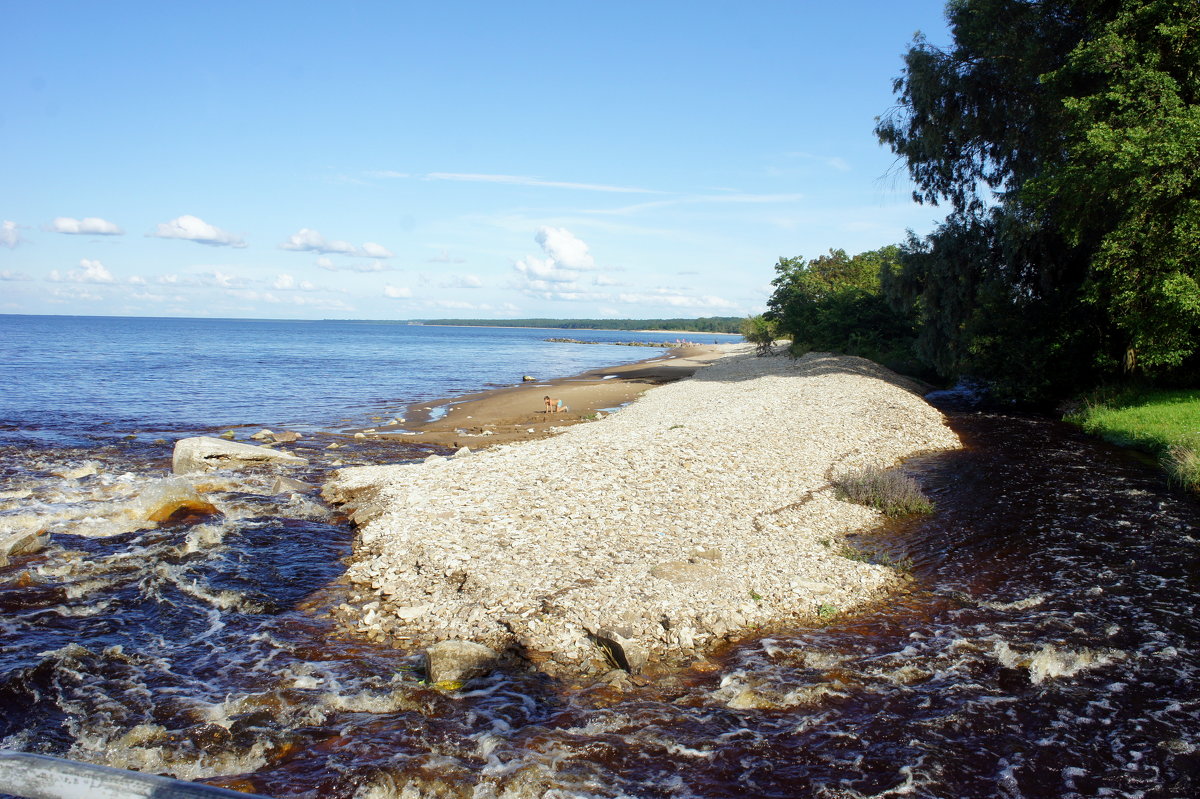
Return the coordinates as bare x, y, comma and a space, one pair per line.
1048, 644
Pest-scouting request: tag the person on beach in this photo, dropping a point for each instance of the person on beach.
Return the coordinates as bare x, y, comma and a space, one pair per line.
554, 406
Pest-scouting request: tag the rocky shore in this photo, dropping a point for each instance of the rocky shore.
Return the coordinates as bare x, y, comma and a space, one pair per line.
695, 514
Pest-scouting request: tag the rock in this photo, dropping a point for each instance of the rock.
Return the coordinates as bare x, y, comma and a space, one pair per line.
458, 661
682, 571
79, 472
410, 612
622, 650
287, 437
172, 501
263, 435
203, 453
812, 586
528, 378
334, 445
228, 435
461, 453
285, 485
22, 538
360, 435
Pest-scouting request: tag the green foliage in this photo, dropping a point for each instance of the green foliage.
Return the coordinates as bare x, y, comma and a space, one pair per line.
1162, 422
826, 612
760, 331
836, 303
1065, 137
888, 490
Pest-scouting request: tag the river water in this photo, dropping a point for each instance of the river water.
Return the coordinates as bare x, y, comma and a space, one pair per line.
1046, 648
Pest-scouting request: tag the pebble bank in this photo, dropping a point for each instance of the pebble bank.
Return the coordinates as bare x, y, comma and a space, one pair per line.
698, 512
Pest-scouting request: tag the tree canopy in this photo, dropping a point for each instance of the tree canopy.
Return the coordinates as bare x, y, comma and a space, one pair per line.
1064, 135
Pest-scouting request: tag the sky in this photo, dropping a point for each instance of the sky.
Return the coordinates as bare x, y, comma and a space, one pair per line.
408, 160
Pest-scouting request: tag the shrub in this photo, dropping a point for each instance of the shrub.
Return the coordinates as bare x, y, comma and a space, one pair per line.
888, 490
760, 331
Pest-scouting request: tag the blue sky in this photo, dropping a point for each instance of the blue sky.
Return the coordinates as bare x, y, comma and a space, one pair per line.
405, 161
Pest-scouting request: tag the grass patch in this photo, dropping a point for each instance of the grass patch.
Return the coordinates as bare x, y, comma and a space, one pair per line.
826, 612
1165, 423
887, 490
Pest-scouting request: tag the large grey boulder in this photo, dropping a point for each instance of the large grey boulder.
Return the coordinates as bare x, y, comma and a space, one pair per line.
203, 454
458, 661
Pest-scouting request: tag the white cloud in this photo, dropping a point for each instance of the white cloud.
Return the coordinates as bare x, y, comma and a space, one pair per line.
325, 263
285, 282
191, 228
7, 274
522, 180
222, 279
397, 292
674, 299
137, 280
372, 250
309, 240
10, 235
459, 305
90, 225
89, 271
462, 282
566, 249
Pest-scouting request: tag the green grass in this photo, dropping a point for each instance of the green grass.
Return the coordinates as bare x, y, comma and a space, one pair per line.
1162, 422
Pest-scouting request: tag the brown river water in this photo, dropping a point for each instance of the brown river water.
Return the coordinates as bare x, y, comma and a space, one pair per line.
1047, 648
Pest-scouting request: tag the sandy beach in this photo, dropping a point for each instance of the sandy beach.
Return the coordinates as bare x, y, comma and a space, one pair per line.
517, 413
697, 513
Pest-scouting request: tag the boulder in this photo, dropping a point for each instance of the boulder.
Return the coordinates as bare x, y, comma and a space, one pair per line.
622, 650
263, 435
286, 437
21, 536
203, 454
528, 378
286, 485
462, 452
457, 661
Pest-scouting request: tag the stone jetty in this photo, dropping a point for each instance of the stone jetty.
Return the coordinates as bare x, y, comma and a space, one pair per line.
696, 514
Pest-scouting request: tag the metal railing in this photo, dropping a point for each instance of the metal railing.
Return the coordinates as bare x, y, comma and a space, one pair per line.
44, 777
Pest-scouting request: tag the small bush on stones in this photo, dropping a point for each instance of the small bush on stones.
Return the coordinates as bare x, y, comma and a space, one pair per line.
890, 491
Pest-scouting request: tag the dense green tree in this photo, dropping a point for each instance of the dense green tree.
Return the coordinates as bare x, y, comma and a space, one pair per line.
836, 303
1064, 135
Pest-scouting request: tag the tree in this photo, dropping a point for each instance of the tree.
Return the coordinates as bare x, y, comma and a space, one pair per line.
1063, 134
835, 302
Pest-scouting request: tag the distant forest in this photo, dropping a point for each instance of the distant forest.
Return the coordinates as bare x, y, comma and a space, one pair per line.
707, 324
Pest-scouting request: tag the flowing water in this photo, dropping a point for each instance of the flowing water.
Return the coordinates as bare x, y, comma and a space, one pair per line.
1046, 648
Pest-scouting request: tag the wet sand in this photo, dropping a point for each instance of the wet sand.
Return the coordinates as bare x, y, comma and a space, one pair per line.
517, 413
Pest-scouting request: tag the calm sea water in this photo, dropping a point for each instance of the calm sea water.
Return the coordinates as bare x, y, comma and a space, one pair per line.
59, 374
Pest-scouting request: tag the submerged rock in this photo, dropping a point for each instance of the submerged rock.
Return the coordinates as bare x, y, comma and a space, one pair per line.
202, 454
458, 661
21, 536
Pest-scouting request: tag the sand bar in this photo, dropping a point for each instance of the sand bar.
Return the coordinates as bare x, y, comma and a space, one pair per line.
517, 413
695, 514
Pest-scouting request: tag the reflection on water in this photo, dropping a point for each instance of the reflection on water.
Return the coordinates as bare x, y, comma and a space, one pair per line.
1046, 648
